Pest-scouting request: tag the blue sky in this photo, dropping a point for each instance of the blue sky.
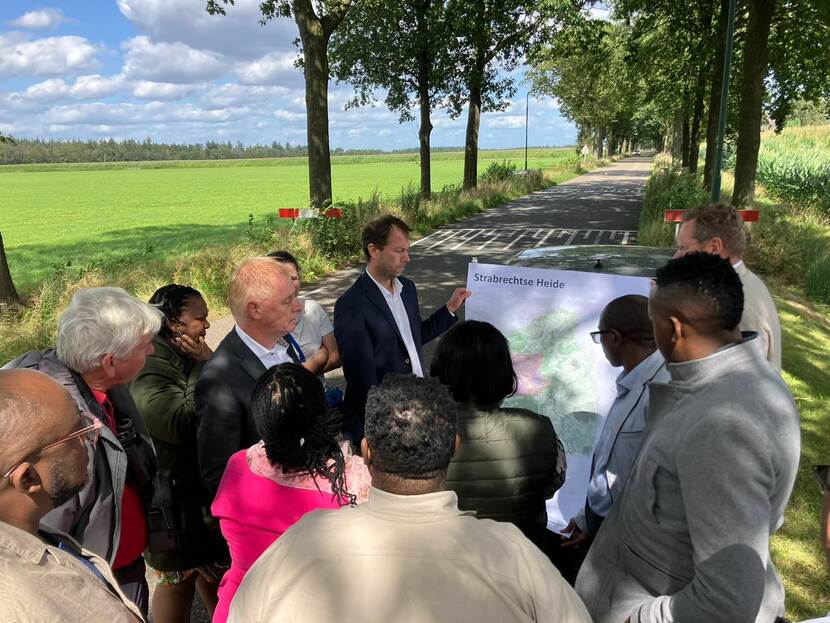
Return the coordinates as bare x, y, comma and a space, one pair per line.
167, 70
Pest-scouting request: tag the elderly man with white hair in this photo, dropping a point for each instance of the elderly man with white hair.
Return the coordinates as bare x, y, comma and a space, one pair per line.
266, 309
103, 339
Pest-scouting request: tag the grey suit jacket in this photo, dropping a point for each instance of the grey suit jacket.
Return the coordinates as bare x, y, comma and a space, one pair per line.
689, 540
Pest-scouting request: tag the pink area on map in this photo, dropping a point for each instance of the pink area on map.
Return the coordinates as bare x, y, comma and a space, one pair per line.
528, 369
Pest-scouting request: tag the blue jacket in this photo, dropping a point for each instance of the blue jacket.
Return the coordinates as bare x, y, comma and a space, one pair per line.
370, 344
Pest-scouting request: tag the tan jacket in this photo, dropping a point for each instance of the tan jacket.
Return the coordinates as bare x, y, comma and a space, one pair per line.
760, 315
404, 559
39, 582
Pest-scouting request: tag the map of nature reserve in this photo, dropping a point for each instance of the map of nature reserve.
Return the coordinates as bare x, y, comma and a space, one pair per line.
547, 316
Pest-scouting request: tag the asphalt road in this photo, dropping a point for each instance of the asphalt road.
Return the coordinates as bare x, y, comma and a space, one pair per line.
601, 207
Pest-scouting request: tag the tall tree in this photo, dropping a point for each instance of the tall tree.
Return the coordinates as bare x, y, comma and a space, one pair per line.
753, 72
402, 47
491, 35
317, 21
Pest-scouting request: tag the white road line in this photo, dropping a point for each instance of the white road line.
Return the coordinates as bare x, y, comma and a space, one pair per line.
452, 232
571, 239
625, 238
420, 240
522, 235
467, 239
542, 241
496, 234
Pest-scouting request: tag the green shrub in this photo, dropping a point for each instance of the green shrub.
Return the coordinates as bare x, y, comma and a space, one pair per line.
668, 188
498, 172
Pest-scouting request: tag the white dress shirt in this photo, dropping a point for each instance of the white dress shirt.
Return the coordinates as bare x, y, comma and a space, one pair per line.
396, 306
269, 357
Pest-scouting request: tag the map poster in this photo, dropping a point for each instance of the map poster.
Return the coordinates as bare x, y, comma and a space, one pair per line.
547, 316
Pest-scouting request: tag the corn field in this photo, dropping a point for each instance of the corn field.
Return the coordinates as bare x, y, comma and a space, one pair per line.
795, 165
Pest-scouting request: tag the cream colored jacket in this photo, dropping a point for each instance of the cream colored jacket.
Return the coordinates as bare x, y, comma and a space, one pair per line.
760, 315
40, 582
404, 559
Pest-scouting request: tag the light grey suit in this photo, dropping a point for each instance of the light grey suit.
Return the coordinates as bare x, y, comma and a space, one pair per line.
689, 540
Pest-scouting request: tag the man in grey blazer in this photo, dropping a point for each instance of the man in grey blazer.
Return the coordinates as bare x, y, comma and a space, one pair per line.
627, 340
689, 539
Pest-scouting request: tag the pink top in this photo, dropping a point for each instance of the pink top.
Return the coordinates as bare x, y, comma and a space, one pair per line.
256, 503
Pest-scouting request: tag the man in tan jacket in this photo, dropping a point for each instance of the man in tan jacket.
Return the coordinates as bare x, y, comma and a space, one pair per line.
46, 575
717, 228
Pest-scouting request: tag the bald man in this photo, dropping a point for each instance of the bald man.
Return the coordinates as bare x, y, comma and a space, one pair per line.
46, 575
627, 339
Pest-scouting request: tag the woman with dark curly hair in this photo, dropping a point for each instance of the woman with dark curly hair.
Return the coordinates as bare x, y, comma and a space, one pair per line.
299, 466
510, 460
164, 393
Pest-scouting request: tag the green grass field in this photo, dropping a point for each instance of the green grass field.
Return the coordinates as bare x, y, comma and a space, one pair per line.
100, 213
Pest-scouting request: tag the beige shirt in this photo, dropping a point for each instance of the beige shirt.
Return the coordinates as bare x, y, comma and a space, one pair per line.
39, 582
760, 315
404, 559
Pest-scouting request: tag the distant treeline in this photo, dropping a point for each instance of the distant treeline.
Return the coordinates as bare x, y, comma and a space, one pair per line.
36, 151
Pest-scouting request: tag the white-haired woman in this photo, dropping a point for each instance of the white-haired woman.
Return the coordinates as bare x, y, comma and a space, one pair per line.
104, 337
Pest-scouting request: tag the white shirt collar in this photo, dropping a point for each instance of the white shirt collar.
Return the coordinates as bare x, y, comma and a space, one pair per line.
738, 265
256, 348
396, 285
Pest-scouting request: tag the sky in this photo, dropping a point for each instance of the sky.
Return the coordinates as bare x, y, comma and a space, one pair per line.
168, 71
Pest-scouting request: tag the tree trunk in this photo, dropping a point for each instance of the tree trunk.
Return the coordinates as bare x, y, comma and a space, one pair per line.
685, 142
677, 138
316, 69
697, 117
600, 140
425, 128
471, 141
752, 93
714, 95
9, 301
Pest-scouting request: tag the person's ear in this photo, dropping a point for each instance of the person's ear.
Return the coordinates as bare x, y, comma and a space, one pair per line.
457, 444
26, 479
717, 247
252, 310
618, 337
365, 452
677, 329
108, 365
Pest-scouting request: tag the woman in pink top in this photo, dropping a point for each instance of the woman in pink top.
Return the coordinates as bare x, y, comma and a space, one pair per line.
298, 467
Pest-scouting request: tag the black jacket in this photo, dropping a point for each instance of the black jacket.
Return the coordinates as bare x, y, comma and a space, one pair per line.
223, 406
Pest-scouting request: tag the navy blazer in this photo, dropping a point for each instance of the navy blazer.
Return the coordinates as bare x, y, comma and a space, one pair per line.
223, 405
370, 344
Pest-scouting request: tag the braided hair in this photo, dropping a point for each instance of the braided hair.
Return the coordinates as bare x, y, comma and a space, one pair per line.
299, 431
171, 300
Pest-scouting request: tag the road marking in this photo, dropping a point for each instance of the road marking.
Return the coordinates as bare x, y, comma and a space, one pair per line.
571, 239
452, 233
467, 239
522, 235
542, 241
496, 234
625, 238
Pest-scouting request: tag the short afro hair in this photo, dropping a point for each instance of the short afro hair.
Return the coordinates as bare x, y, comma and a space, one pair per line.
703, 289
718, 220
411, 424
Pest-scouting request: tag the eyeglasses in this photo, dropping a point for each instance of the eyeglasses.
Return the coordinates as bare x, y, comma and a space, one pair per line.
90, 430
597, 335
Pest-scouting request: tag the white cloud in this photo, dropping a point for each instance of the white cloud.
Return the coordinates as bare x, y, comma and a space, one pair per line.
123, 113
273, 68
43, 57
95, 85
237, 34
170, 62
503, 121
285, 115
146, 89
40, 19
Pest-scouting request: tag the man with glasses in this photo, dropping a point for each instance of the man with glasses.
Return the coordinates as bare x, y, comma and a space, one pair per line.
44, 449
104, 336
627, 341
717, 229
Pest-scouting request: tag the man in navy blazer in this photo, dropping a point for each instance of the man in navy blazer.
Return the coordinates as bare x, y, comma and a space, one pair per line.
377, 323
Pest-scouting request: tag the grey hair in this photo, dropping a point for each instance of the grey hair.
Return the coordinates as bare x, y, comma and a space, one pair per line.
100, 321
